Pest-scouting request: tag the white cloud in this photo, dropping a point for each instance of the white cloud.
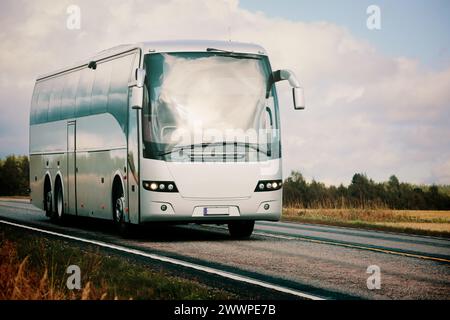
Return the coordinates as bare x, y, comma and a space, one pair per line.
365, 111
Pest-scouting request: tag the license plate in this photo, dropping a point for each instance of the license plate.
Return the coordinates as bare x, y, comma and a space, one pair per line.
211, 211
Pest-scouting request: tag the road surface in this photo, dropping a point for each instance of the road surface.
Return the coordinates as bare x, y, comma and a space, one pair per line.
302, 260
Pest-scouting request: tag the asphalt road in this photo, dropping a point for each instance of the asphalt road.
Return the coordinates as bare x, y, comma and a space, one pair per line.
326, 262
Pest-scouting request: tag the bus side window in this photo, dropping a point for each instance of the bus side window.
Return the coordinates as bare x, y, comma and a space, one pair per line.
69, 95
54, 109
43, 101
99, 99
34, 99
118, 90
84, 91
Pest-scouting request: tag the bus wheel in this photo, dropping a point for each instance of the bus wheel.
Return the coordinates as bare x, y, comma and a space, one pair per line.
58, 214
48, 203
119, 214
241, 229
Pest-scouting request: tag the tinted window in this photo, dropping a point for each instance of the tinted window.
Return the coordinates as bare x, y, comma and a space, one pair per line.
84, 91
54, 109
118, 91
34, 100
69, 94
99, 99
42, 102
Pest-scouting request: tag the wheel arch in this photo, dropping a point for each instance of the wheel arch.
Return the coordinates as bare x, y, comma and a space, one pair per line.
118, 182
48, 177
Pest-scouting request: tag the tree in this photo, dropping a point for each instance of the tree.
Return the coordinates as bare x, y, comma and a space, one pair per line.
364, 192
359, 188
10, 176
14, 176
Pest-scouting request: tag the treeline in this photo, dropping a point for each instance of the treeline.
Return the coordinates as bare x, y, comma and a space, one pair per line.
363, 192
14, 180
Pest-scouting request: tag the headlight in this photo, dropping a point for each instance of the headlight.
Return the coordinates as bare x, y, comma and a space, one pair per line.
268, 185
160, 186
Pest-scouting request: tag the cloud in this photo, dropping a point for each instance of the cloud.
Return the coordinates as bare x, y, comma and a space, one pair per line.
365, 111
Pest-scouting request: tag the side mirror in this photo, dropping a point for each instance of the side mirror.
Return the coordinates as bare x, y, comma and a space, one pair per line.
140, 77
136, 97
298, 93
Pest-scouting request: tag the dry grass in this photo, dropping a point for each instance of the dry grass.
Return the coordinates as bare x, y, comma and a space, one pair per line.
409, 221
34, 268
20, 281
424, 226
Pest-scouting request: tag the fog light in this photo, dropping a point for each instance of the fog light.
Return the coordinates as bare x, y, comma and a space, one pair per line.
153, 186
266, 206
163, 207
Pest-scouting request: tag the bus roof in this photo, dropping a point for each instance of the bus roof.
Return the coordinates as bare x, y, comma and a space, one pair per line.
167, 46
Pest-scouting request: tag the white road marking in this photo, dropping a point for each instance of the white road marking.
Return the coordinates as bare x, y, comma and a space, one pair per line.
174, 261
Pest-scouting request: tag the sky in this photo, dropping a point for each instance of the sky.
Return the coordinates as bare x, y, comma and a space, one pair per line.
378, 101
418, 29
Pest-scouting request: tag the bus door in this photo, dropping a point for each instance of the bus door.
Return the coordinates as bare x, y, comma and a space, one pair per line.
71, 168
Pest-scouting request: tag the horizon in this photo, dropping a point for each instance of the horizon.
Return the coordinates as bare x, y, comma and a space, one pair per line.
312, 179
362, 113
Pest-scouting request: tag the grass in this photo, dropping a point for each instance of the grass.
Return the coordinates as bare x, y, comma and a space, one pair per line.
34, 267
434, 223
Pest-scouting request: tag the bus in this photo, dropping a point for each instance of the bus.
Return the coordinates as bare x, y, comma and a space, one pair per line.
170, 131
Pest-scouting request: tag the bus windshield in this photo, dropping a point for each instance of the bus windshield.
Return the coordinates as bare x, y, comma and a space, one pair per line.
212, 106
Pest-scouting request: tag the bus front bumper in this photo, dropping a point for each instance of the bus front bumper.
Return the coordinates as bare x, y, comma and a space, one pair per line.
171, 207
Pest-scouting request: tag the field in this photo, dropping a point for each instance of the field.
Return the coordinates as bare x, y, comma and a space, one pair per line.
435, 223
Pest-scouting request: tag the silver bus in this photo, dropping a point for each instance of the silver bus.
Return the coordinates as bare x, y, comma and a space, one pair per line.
172, 131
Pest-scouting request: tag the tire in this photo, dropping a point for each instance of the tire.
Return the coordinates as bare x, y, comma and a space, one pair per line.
123, 227
241, 229
48, 202
58, 215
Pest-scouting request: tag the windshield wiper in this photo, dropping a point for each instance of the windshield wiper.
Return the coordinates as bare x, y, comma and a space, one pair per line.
219, 50
206, 144
233, 54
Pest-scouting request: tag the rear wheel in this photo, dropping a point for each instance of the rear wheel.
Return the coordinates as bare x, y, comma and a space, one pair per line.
241, 229
58, 214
